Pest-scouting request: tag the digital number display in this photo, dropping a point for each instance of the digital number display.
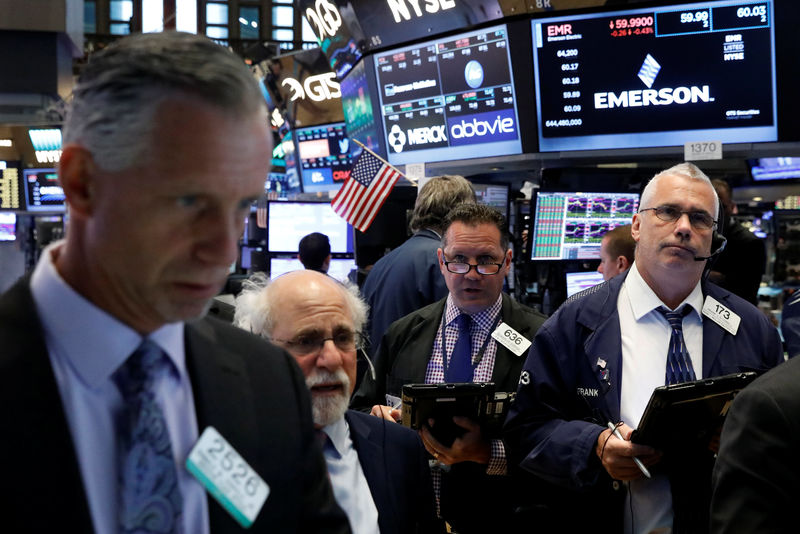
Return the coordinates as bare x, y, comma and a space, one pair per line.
656, 77
449, 99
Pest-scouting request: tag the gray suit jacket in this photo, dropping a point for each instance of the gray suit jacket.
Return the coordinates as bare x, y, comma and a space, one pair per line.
253, 393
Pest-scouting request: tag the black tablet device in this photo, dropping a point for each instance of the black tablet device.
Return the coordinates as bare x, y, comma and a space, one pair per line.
688, 414
441, 402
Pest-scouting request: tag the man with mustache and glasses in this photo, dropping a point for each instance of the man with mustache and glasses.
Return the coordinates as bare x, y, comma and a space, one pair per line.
599, 357
379, 471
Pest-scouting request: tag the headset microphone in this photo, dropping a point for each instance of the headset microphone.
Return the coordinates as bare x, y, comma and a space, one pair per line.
369, 362
719, 249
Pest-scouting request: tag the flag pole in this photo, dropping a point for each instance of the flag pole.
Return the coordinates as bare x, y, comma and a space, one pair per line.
365, 147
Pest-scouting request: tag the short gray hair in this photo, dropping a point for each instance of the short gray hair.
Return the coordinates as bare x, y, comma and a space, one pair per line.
687, 170
120, 90
256, 313
436, 198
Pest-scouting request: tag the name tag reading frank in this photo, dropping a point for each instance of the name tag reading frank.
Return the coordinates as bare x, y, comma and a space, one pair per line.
511, 339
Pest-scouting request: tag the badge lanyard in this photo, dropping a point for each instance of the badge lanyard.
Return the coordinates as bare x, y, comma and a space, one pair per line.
480, 354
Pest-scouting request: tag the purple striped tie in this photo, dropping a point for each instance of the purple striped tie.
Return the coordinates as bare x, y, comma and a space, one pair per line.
679, 365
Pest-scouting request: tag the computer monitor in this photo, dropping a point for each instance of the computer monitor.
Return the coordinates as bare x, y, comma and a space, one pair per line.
656, 76
42, 190
8, 226
571, 225
339, 267
450, 98
12, 188
577, 282
288, 222
326, 157
767, 169
494, 195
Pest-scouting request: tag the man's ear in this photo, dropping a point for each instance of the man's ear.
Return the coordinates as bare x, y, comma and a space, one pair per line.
440, 255
622, 263
77, 173
635, 224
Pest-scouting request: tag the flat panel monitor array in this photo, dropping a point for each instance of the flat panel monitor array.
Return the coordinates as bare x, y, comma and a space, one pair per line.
450, 98
571, 225
42, 190
766, 169
660, 76
289, 222
577, 282
339, 267
326, 157
8, 226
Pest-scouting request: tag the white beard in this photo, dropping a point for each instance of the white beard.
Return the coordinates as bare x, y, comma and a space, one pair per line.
328, 409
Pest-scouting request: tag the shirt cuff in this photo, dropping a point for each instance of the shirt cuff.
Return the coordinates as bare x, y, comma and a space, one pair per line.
497, 459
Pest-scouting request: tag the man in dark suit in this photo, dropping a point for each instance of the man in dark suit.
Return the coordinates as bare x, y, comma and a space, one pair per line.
109, 373
379, 470
757, 474
476, 493
598, 358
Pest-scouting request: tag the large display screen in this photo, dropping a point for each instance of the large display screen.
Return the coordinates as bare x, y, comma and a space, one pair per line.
449, 99
765, 169
494, 195
42, 190
360, 107
8, 226
289, 222
570, 226
326, 157
656, 77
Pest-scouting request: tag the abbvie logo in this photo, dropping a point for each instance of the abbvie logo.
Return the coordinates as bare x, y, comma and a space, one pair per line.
481, 128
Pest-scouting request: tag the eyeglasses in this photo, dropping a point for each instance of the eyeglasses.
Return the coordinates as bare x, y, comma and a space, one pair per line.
700, 220
305, 345
459, 267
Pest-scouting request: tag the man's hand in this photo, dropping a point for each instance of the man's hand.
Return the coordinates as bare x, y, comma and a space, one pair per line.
386, 412
617, 455
470, 447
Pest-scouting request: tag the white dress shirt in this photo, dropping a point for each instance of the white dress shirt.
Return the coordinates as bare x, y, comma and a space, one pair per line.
86, 346
350, 486
645, 343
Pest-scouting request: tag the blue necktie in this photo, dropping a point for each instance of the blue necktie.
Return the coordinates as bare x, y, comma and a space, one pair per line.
459, 368
150, 499
679, 365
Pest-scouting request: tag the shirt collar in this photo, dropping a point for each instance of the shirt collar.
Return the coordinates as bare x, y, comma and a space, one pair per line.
643, 299
483, 319
94, 343
339, 434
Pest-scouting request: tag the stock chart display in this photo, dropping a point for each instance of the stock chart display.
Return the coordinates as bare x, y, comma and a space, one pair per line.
656, 77
325, 157
570, 226
449, 99
43, 191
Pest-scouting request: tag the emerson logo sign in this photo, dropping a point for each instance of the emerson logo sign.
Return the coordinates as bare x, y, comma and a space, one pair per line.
482, 127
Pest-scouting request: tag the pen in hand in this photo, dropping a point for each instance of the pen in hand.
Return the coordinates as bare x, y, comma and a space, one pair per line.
613, 428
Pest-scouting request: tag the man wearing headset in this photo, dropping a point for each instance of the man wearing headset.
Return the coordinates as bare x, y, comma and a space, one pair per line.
378, 470
599, 357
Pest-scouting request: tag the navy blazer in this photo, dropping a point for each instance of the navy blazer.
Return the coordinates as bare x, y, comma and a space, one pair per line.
395, 465
566, 398
252, 392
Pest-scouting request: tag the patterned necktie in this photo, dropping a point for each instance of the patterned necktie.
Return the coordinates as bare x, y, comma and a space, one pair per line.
150, 499
679, 365
460, 367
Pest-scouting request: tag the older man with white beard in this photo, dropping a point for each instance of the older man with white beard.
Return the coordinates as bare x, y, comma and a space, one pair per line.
379, 471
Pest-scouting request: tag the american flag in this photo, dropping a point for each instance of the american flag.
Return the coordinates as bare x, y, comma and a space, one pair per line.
365, 191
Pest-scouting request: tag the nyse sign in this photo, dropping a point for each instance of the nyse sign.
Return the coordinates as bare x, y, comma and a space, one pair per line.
317, 88
400, 8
